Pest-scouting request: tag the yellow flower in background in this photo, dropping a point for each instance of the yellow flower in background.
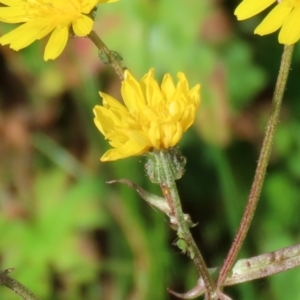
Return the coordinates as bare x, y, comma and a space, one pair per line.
42, 17
153, 117
285, 15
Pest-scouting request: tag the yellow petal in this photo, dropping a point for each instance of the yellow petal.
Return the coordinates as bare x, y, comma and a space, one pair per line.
44, 32
88, 5
194, 95
250, 8
182, 84
13, 14
113, 104
127, 150
104, 120
11, 2
151, 89
172, 133
188, 118
107, 1
273, 20
138, 137
83, 25
57, 43
177, 135
167, 87
41, 17
132, 93
23, 35
139, 126
113, 154
154, 135
175, 110
290, 31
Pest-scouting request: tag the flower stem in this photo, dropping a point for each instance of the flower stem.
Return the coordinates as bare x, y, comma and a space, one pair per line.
16, 286
107, 55
261, 166
170, 192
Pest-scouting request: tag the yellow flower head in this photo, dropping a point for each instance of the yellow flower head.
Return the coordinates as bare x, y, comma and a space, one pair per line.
41, 17
285, 15
153, 117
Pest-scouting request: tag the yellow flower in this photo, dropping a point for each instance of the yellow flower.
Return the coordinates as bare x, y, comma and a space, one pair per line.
41, 17
285, 15
153, 117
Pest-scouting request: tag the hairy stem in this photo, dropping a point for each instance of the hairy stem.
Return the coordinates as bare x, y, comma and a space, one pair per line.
261, 166
170, 193
109, 55
16, 286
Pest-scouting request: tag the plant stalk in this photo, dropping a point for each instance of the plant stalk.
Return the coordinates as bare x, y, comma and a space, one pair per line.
261, 166
170, 193
16, 286
104, 51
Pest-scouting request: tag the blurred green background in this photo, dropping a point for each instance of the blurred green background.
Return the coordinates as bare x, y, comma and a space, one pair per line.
71, 236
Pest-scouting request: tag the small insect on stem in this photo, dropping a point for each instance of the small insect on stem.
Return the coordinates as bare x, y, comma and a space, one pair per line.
104, 57
117, 55
182, 245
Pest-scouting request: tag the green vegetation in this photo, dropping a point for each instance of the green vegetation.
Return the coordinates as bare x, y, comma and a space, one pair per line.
68, 234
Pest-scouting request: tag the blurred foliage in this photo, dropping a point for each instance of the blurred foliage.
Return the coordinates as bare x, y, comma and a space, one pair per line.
67, 233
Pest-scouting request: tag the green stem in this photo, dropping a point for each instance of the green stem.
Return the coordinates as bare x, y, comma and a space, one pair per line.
111, 58
16, 286
261, 166
170, 192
